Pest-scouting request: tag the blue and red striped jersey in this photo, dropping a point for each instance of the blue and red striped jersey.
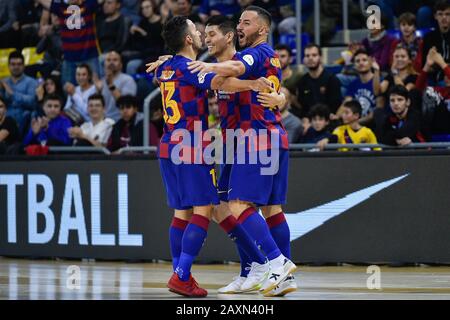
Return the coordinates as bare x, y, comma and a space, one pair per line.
78, 44
185, 101
260, 61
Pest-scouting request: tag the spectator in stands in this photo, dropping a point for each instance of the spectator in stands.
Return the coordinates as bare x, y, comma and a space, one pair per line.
85, 49
400, 126
128, 131
19, 90
214, 7
112, 27
439, 38
365, 88
292, 124
351, 132
291, 75
96, 132
8, 15
9, 132
115, 84
50, 85
402, 73
145, 42
436, 99
50, 44
28, 13
319, 117
409, 40
166, 8
76, 107
130, 9
52, 128
318, 85
378, 44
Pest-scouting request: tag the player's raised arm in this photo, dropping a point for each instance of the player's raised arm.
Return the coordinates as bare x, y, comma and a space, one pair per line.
232, 84
231, 68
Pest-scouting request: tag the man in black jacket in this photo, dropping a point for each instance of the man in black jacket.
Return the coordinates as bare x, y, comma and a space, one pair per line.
439, 38
128, 131
317, 86
400, 126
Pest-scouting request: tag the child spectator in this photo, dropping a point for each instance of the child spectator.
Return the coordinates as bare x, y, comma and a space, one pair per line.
51, 129
409, 40
351, 132
76, 107
128, 130
9, 132
97, 131
319, 117
400, 126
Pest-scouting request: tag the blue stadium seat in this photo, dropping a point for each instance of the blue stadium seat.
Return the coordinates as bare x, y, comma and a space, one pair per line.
289, 39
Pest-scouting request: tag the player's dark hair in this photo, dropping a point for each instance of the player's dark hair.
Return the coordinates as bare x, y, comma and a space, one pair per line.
313, 45
224, 24
282, 46
320, 110
174, 32
441, 5
399, 90
16, 55
97, 96
262, 13
354, 106
127, 101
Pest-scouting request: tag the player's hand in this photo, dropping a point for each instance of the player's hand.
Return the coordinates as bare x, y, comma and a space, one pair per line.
262, 84
155, 64
404, 141
199, 66
271, 99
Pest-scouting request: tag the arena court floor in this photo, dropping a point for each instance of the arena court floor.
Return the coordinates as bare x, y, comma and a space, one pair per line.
46, 279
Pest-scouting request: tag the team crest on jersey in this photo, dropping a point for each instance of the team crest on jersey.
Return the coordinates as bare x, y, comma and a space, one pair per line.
275, 62
167, 74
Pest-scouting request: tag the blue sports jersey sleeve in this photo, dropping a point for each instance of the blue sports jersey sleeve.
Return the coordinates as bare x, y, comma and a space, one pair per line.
200, 79
250, 57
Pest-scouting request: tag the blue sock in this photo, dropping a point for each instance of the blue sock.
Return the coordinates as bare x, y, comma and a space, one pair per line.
246, 262
193, 238
176, 231
242, 238
280, 233
257, 227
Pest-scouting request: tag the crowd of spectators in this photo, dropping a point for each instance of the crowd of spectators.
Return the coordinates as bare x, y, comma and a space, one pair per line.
89, 88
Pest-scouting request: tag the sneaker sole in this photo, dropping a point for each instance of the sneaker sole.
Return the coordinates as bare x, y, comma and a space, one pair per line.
184, 294
255, 288
286, 274
282, 293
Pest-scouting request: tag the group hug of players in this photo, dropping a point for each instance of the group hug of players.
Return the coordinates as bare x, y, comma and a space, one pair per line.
247, 87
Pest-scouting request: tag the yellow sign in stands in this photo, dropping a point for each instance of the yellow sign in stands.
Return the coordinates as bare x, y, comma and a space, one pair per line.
30, 55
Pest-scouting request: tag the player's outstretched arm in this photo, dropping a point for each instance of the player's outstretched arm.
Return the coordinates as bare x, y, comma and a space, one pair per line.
229, 68
232, 84
155, 64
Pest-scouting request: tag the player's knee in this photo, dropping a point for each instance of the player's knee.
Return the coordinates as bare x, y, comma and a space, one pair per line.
237, 207
183, 214
269, 211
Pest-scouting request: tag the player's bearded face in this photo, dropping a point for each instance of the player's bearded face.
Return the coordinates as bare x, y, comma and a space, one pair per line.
195, 35
248, 29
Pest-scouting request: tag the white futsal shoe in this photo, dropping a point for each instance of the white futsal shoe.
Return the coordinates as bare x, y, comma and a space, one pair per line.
280, 268
234, 287
288, 285
256, 277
